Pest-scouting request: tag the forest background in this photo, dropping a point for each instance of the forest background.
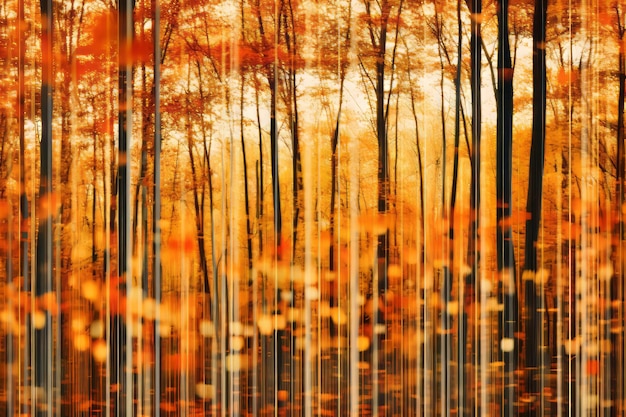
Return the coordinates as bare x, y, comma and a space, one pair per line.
390, 206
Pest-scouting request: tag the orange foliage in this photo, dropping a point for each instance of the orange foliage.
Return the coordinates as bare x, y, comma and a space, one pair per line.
101, 34
142, 50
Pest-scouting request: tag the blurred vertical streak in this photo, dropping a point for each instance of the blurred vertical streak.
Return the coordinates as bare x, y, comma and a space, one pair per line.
472, 280
355, 292
156, 216
617, 290
23, 228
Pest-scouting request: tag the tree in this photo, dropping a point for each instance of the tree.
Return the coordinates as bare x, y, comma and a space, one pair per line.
43, 378
379, 22
533, 298
121, 339
476, 10
506, 259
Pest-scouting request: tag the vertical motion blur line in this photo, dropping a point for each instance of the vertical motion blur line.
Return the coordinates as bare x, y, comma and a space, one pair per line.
572, 357
43, 284
473, 280
354, 279
156, 216
620, 340
277, 346
309, 269
122, 338
23, 228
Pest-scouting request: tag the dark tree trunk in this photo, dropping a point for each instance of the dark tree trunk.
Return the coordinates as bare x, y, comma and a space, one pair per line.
334, 142
44, 256
121, 372
383, 154
274, 160
506, 260
451, 233
442, 50
259, 176
292, 87
245, 179
533, 300
473, 248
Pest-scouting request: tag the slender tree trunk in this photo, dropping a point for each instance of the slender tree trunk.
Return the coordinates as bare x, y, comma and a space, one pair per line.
473, 251
274, 159
44, 256
535, 304
156, 212
457, 132
245, 177
272, 81
383, 154
334, 142
121, 371
199, 214
292, 87
441, 50
446, 291
334, 167
506, 259
260, 182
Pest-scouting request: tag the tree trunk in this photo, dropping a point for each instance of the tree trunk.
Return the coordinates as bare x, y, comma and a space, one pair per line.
259, 175
473, 248
44, 251
274, 160
383, 154
156, 212
199, 213
292, 105
121, 339
535, 304
334, 142
506, 260
245, 179
446, 290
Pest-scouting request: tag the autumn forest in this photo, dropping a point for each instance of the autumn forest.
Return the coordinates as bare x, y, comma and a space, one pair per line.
312, 207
